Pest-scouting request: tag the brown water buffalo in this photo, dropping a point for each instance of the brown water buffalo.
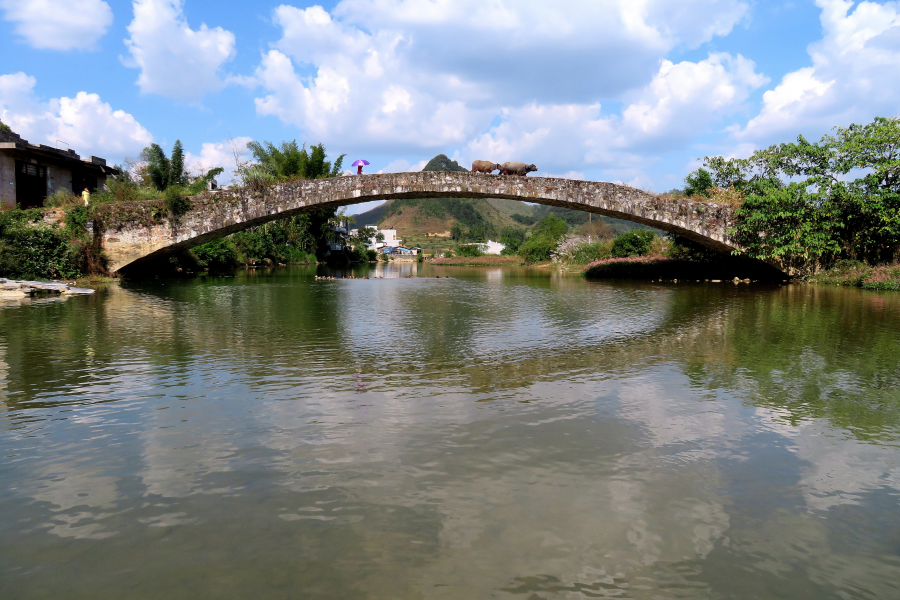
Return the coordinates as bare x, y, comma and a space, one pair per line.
516, 168
484, 166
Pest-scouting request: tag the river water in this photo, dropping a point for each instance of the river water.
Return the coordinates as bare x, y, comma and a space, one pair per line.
491, 434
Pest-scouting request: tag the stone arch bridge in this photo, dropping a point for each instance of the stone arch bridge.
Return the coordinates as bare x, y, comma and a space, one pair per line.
135, 233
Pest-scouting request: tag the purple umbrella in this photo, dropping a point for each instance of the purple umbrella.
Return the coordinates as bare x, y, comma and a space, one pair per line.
360, 162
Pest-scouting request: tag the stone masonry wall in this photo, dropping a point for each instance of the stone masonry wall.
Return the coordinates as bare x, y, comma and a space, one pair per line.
7, 181
133, 240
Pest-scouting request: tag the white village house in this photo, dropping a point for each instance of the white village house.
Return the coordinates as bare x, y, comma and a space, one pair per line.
390, 238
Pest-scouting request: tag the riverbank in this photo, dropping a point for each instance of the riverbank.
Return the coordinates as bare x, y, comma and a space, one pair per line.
479, 261
852, 273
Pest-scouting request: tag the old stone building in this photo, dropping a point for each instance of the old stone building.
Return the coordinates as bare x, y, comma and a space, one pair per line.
31, 172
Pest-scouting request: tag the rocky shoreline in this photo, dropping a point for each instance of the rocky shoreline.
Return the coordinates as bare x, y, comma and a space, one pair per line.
11, 288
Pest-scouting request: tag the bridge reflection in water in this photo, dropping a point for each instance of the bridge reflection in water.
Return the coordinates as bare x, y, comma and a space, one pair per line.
494, 433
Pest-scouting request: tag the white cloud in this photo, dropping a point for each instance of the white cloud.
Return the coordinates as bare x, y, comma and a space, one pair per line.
568, 50
176, 61
218, 154
86, 123
403, 166
682, 101
59, 24
854, 76
393, 75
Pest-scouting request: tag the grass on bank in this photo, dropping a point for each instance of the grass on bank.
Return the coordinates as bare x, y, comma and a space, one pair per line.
487, 260
857, 274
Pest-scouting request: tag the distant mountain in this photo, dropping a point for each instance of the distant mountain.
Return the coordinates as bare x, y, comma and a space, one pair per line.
442, 163
413, 217
373, 216
418, 216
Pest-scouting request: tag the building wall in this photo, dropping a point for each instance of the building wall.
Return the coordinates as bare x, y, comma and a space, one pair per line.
7, 181
58, 178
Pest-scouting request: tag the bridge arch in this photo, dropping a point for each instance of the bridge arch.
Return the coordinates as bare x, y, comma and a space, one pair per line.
130, 242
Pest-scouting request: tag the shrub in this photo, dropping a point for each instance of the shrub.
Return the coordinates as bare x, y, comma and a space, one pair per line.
177, 201
551, 227
371, 254
217, 255
512, 237
589, 252
537, 249
545, 237
39, 252
636, 242
61, 198
469, 251
76, 221
729, 196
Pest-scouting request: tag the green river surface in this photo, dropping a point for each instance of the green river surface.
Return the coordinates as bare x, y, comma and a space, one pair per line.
501, 433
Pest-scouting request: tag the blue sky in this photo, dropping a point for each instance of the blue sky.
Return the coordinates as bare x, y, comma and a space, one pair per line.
617, 90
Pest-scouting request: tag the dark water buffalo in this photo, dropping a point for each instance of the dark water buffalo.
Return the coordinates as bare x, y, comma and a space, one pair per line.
484, 166
516, 168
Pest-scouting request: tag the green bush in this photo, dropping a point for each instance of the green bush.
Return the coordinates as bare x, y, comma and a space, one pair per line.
177, 201
537, 249
217, 255
39, 252
371, 254
551, 227
636, 242
76, 221
469, 251
61, 198
545, 238
589, 252
512, 237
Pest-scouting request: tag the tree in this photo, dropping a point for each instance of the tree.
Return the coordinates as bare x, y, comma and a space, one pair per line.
157, 166
545, 238
698, 183
551, 227
177, 175
512, 237
289, 160
801, 203
364, 235
163, 171
633, 243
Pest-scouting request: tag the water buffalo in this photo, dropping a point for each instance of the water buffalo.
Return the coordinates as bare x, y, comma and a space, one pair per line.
484, 166
516, 168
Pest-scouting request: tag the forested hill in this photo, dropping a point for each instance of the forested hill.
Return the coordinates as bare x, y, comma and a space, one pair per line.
442, 163
414, 217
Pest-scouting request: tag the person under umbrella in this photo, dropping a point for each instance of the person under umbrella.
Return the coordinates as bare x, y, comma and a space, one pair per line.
359, 165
